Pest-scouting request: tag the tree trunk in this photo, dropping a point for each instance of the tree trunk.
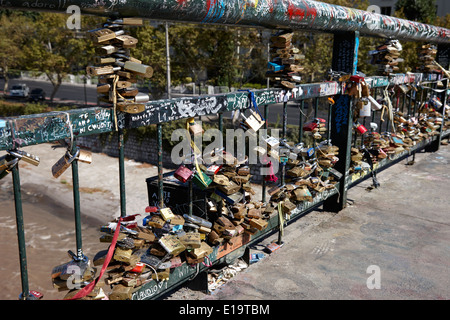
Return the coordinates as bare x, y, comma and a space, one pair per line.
56, 84
6, 77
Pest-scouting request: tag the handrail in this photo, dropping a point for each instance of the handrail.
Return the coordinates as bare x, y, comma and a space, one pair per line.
52, 126
294, 14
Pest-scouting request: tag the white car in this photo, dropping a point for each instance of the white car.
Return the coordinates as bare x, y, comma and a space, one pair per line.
19, 91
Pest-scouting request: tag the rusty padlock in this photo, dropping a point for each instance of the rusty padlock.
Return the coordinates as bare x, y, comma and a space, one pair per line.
63, 163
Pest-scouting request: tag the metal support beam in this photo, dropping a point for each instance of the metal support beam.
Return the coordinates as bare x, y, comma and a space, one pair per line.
345, 54
20, 233
160, 166
76, 205
292, 14
443, 58
123, 202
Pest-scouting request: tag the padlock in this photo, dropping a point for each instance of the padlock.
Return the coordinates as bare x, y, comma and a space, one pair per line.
302, 194
108, 49
7, 162
99, 71
221, 179
104, 60
25, 156
104, 34
183, 174
172, 244
229, 188
197, 220
259, 224
126, 41
202, 181
194, 127
254, 121
139, 68
360, 128
365, 110
307, 152
166, 213
374, 104
272, 142
203, 251
132, 108
63, 163
213, 169
211, 206
191, 240
85, 156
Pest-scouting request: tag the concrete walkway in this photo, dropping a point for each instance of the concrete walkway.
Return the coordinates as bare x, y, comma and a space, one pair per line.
389, 243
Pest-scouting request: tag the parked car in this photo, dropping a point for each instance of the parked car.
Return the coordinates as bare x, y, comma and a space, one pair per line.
19, 91
37, 94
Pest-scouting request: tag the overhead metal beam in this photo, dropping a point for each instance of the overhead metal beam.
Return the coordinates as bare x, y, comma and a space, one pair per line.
295, 14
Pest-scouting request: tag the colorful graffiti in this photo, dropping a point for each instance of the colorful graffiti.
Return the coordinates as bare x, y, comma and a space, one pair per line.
294, 14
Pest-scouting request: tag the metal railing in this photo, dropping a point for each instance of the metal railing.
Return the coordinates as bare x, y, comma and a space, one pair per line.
347, 25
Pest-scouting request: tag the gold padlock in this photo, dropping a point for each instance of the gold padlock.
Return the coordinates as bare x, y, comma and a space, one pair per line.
25, 156
63, 163
85, 156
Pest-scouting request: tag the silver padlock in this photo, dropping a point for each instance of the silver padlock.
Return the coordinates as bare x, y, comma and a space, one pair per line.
62, 164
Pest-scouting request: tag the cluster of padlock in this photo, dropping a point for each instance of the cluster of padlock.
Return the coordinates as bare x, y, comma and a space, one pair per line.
284, 68
387, 57
356, 87
308, 173
74, 275
407, 132
11, 159
116, 70
149, 246
427, 55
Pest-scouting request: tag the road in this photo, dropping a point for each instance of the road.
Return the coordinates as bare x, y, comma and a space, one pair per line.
66, 93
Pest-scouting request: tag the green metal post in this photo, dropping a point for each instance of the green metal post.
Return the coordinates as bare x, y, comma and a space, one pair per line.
283, 164
160, 166
443, 58
345, 57
300, 122
316, 107
123, 202
76, 204
20, 232
264, 186
330, 109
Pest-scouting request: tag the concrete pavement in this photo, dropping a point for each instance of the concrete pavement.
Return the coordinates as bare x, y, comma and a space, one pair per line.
389, 243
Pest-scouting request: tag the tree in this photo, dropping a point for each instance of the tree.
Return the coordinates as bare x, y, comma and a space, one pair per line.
53, 49
418, 10
14, 28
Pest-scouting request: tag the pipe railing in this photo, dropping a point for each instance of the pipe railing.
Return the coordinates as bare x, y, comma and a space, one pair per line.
294, 14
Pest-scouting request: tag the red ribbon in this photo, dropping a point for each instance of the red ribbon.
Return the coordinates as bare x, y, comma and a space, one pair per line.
87, 289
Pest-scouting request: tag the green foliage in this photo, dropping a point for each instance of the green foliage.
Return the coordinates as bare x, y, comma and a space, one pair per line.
12, 109
418, 10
